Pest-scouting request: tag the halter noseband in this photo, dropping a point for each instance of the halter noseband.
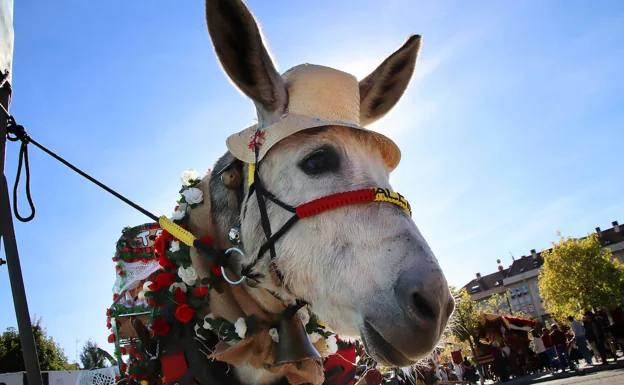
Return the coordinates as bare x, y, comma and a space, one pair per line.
314, 207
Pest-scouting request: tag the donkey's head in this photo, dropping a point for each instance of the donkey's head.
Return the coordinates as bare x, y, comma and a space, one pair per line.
364, 268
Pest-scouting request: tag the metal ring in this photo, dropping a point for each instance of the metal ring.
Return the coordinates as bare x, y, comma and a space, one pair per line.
228, 251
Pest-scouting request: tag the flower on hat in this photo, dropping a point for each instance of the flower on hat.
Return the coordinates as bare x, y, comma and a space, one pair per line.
175, 246
193, 195
189, 176
188, 275
240, 326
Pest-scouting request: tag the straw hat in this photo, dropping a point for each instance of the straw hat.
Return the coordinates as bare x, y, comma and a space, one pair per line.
317, 96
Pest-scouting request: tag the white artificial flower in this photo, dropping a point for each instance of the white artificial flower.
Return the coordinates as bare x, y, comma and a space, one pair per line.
177, 215
141, 296
188, 176
146, 286
176, 285
193, 195
274, 335
175, 246
315, 337
332, 344
241, 327
197, 333
207, 325
304, 314
188, 275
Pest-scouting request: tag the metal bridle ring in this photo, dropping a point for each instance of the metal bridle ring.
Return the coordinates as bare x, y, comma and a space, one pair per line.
228, 251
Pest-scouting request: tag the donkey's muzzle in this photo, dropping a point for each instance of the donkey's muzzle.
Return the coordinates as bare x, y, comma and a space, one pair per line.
425, 299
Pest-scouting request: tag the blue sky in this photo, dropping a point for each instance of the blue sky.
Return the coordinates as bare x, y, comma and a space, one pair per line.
510, 130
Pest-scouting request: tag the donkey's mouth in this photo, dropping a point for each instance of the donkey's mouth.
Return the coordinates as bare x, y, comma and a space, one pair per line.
381, 350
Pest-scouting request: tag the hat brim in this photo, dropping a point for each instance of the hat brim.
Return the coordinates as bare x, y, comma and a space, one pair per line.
241, 143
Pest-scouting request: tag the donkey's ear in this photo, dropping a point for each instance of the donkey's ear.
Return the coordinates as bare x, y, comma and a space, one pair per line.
238, 44
383, 88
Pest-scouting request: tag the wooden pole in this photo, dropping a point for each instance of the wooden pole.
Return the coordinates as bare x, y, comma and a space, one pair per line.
7, 233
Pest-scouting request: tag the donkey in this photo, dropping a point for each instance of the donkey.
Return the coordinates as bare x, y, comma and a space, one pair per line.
364, 269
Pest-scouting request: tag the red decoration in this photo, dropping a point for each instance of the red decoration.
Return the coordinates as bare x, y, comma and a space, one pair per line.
160, 244
317, 206
174, 367
179, 296
344, 358
201, 291
108, 312
184, 313
162, 281
160, 326
123, 350
111, 338
124, 367
216, 270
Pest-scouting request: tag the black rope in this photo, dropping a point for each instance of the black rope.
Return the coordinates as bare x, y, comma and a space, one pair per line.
19, 133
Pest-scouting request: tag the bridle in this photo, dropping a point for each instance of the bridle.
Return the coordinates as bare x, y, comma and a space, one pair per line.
305, 210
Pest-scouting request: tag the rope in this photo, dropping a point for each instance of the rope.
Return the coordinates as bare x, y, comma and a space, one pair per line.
17, 132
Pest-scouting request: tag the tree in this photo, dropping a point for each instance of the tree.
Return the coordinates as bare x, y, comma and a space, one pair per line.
51, 356
578, 274
92, 356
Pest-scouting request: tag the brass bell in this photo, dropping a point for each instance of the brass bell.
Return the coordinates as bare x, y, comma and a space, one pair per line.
294, 344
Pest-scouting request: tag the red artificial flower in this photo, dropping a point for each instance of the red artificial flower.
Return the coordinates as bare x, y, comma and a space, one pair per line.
125, 249
216, 270
152, 302
184, 226
108, 312
132, 351
148, 250
160, 245
108, 323
136, 250
115, 296
160, 326
164, 280
176, 208
184, 313
117, 378
180, 296
166, 236
165, 262
201, 291
111, 338
123, 350
121, 273
114, 259
124, 367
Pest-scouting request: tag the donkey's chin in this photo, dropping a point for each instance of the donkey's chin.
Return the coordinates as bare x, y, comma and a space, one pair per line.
386, 353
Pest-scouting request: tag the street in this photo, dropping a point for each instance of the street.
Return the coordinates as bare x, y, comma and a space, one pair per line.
610, 377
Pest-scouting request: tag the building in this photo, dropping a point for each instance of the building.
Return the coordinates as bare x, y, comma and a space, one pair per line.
613, 239
520, 280
521, 285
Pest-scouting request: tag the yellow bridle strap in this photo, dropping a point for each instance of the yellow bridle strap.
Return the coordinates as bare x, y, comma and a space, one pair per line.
387, 195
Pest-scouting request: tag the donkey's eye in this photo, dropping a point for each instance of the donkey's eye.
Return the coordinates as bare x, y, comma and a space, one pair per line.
325, 159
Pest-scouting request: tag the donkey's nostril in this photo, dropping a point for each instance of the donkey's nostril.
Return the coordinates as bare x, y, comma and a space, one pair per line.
421, 306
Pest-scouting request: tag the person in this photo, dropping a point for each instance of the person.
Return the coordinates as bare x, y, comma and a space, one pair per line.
469, 371
594, 332
560, 342
540, 350
550, 350
500, 369
581, 340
